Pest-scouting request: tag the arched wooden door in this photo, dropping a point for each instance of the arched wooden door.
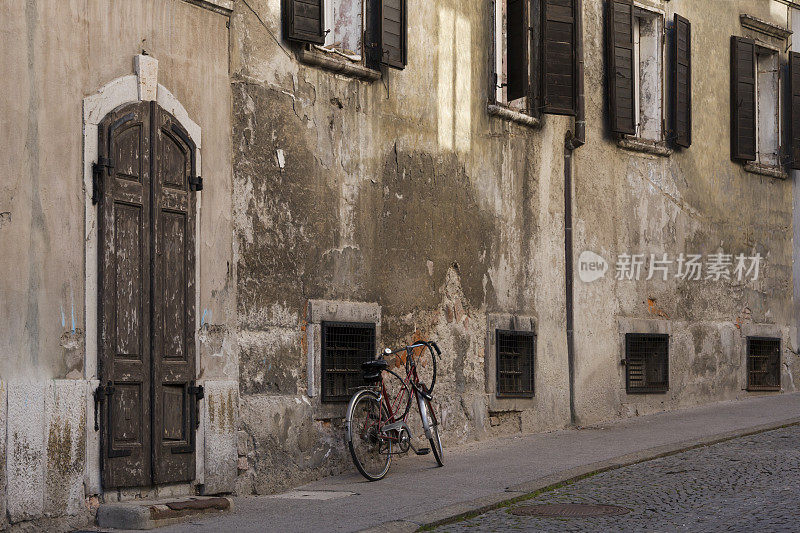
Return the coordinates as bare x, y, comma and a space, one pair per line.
147, 402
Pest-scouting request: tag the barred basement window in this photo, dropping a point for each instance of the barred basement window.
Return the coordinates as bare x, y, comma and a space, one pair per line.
763, 363
345, 345
646, 362
515, 358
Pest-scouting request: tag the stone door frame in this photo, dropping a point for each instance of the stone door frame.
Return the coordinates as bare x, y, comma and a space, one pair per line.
141, 86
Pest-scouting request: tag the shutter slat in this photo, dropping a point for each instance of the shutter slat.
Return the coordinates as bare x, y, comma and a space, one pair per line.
743, 99
794, 111
619, 49
682, 79
559, 60
303, 20
394, 41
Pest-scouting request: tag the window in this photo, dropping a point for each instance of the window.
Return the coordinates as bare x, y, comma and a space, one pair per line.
648, 65
763, 363
344, 27
755, 103
646, 363
345, 345
636, 61
519, 80
767, 105
515, 363
372, 32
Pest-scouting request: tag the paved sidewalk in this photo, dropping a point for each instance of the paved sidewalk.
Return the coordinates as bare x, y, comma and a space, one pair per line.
482, 474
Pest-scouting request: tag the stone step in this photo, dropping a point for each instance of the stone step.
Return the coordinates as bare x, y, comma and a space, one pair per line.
153, 514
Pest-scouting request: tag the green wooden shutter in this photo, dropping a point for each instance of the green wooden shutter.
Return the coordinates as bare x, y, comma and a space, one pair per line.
559, 65
304, 20
619, 49
743, 99
682, 80
394, 42
794, 109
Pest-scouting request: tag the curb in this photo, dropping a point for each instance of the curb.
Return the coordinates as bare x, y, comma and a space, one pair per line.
453, 513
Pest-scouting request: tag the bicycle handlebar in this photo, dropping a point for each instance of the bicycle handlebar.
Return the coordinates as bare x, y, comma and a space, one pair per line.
417, 344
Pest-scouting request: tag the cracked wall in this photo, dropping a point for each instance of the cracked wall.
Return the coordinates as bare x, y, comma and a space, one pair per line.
401, 192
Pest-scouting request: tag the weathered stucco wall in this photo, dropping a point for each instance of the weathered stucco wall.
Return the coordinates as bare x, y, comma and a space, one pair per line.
56, 53
696, 201
402, 192
405, 193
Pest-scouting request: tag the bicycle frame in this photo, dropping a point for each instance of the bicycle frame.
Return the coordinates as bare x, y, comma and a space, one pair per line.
410, 386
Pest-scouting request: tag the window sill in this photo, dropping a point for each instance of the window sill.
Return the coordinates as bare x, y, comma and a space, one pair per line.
635, 144
514, 116
333, 64
765, 170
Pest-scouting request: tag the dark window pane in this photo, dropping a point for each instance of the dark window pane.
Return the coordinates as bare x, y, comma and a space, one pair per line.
515, 359
646, 362
344, 347
763, 363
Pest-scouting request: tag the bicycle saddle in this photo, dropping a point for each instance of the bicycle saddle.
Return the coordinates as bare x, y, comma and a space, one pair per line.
372, 369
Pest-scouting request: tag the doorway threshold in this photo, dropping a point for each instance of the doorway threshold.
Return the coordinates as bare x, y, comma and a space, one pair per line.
142, 515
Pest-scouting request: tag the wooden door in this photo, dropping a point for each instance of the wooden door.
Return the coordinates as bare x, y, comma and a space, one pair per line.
174, 407
147, 398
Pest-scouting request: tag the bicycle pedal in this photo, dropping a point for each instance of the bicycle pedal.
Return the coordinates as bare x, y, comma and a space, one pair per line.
423, 451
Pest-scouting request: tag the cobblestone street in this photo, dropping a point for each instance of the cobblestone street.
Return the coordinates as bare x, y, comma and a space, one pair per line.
747, 484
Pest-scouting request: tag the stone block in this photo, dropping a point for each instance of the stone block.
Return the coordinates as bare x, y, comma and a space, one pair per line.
26, 448
221, 438
65, 447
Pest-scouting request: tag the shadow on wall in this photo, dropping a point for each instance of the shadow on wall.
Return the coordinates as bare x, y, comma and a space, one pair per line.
454, 80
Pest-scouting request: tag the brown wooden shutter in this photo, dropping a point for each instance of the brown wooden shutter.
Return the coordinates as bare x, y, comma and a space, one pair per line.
124, 297
619, 49
393, 33
174, 394
559, 90
516, 50
794, 109
743, 99
682, 79
304, 20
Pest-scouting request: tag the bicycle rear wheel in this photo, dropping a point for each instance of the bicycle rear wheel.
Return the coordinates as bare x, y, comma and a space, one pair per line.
371, 451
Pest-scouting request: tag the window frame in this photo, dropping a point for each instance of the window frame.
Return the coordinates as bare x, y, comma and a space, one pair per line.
646, 389
761, 50
515, 333
325, 396
639, 12
530, 114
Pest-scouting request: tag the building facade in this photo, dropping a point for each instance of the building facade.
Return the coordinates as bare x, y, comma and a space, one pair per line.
212, 210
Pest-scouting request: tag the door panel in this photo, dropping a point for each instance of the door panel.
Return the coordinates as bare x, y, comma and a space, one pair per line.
174, 310
124, 297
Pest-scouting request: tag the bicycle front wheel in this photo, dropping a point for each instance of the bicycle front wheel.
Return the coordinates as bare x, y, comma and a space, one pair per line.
371, 451
435, 440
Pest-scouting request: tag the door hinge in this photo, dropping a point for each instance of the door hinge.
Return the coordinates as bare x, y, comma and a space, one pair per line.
198, 392
99, 169
100, 395
195, 183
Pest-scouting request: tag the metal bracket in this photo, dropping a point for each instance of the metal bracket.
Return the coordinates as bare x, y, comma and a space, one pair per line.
98, 170
195, 183
196, 393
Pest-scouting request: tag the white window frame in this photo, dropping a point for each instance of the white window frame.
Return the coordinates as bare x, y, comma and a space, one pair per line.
760, 52
641, 12
330, 34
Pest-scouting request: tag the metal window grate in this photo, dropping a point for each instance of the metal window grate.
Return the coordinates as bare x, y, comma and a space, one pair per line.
344, 347
646, 363
515, 362
763, 363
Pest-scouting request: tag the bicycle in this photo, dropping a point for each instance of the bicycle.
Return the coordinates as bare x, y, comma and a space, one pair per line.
375, 424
